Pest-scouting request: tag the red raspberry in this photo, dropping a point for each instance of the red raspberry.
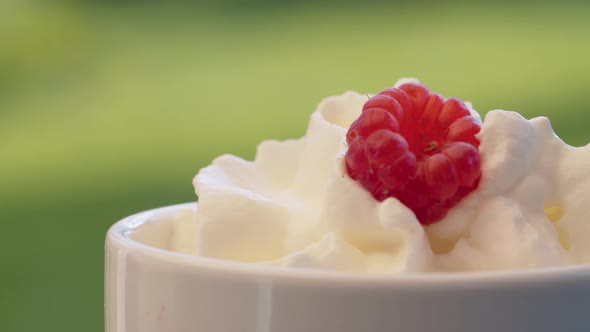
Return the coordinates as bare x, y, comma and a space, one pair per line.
416, 146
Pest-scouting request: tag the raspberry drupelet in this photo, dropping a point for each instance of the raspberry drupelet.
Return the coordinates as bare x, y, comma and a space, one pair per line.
416, 146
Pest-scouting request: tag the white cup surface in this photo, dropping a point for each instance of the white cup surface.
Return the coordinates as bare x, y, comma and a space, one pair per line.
150, 288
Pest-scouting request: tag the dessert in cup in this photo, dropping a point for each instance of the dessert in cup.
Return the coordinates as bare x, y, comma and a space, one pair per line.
402, 211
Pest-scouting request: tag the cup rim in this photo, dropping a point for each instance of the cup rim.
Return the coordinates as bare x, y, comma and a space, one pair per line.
118, 236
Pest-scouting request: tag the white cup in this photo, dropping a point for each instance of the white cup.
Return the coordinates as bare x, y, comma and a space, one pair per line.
150, 288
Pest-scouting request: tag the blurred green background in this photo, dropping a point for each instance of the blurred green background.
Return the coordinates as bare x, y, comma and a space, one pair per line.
110, 108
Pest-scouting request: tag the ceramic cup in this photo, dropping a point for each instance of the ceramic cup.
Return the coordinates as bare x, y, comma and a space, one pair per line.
150, 288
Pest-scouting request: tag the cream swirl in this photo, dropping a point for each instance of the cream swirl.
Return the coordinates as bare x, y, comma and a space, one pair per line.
295, 206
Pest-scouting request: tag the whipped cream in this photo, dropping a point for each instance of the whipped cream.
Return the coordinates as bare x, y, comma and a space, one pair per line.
295, 206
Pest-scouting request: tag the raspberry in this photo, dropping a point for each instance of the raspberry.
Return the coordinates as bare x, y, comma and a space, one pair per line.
414, 145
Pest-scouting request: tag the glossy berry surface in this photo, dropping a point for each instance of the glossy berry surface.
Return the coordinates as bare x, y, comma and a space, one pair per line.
416, 146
